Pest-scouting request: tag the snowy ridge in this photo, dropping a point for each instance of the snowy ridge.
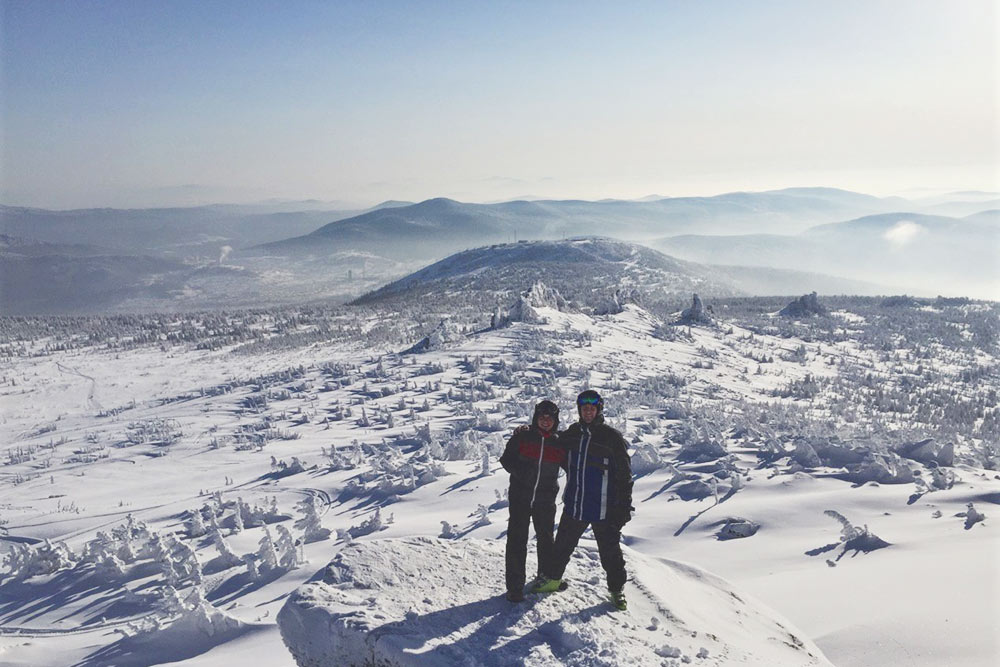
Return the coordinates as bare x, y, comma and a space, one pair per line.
419, 601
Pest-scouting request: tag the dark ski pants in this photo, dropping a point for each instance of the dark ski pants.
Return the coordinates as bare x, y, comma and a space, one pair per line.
608, 546
522, 513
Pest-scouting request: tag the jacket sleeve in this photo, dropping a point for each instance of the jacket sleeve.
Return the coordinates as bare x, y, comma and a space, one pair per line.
623, 473
509, 457
560, 443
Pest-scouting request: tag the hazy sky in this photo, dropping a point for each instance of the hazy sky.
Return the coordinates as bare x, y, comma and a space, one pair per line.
142, 103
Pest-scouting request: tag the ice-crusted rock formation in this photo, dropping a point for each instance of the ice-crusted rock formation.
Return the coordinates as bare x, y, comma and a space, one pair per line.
928, 451
806, 305
444, 333
616, 303
380, 602
696, 313
525, 308
885, 468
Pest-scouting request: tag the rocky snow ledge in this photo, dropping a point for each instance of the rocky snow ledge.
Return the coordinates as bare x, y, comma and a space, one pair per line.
426, 601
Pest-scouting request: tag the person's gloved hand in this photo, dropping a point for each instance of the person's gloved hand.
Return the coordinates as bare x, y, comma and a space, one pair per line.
620, 515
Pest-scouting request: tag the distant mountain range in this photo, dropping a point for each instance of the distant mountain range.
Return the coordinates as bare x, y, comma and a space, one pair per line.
245, 255
436, 227
178, 232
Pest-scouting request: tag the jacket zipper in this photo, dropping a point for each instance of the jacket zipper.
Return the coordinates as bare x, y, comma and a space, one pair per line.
538, 473
581, 473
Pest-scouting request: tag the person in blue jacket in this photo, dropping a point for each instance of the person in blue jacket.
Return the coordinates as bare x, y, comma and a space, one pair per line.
598, 494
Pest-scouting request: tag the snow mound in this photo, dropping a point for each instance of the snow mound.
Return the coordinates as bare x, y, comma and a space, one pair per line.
427, 601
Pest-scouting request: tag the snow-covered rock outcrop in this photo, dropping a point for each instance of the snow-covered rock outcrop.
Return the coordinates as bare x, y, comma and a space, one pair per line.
525, 308
616, 303
696, 313
806, 305
928, 451
428, 601
443, 334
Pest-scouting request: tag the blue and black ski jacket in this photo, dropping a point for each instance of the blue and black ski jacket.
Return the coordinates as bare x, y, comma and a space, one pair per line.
599, 473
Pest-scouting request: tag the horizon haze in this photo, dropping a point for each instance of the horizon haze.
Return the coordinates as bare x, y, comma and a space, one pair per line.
117, 104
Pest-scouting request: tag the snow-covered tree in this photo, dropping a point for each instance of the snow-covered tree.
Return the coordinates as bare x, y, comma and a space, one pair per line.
310, 525
226, 553
196, 524
266, 553
288, 557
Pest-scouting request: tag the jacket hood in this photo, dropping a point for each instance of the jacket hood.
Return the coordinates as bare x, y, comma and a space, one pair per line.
544, 406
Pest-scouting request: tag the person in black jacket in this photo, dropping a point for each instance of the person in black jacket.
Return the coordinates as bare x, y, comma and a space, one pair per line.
598, 494
533, 457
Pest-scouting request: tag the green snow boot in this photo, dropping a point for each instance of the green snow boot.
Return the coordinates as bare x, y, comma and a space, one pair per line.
618, 600
546, 585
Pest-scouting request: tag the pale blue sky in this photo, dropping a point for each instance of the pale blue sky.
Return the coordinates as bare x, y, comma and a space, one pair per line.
142, 103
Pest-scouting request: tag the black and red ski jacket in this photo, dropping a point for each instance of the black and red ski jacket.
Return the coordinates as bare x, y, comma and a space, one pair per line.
533, 459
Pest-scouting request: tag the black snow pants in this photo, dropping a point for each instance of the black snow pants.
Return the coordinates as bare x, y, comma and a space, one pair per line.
609, 547
522, 513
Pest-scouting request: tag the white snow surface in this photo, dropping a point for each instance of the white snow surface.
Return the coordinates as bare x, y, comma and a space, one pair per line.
425, 601
932, 597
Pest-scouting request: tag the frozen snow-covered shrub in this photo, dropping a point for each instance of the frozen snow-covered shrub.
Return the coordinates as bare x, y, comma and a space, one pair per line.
502, 500
972, 516
310, 525
253, 572
646, 459
942, 478
461, 446
372, 524
340, 460
170, 603
237, 519
447, 532
24, 562
483, 516
196, 524
860, 539
203, 615
484, 464
110, 567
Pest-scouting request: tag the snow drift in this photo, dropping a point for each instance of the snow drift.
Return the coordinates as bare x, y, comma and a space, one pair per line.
420, 601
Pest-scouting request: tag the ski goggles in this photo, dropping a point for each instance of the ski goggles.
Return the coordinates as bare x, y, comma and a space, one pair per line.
588, 400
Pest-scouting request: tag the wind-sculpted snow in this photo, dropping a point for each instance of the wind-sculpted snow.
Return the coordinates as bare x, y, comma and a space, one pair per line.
425, 601
250, 448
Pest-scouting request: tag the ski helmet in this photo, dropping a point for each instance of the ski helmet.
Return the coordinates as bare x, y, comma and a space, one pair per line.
590, 397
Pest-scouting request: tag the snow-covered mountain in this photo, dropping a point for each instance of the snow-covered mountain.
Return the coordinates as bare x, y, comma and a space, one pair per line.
586, 270
171, 481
